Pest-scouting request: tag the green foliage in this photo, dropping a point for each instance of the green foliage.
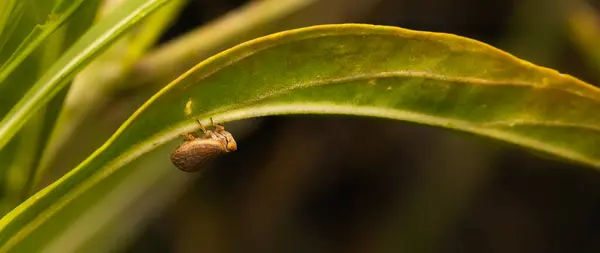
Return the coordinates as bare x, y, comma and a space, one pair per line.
95, 40
429, 78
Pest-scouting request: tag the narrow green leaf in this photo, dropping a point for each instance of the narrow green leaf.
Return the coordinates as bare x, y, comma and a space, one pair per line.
429, 78
81, 21
21, 80
256, 18
25, 16
20, 169
92, 86
32, 136
83, 51
10, 13
59, 15
104, 213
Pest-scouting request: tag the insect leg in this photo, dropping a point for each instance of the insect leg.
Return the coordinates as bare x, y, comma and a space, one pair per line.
201, 126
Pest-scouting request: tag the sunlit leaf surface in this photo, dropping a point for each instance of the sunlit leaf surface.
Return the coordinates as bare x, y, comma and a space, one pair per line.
429, 78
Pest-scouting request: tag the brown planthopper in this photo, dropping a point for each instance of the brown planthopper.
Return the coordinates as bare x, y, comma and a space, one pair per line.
196, 151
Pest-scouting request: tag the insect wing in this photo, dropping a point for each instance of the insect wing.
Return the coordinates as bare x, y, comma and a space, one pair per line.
194, 155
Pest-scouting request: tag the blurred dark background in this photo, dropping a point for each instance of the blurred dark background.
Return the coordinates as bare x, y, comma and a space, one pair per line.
353, 184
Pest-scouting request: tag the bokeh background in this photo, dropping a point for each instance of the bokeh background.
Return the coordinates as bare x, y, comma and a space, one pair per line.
355, 184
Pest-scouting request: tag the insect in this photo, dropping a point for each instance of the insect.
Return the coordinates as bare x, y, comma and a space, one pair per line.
198, 150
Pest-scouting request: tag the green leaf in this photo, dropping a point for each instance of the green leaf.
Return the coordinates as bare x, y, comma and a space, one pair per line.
104, 213
83, 51
429, 78
11, 12
19, 170
35, 134
20, 79
255, 19
91, 87
62, 11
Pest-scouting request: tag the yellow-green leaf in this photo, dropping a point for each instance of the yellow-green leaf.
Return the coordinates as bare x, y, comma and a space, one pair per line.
429, 78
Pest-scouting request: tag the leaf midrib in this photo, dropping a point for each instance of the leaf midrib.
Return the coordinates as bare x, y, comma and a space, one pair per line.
424, 75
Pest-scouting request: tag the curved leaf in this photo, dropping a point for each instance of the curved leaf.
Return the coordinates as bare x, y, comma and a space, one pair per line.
253, 20
430, 78
92, 86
